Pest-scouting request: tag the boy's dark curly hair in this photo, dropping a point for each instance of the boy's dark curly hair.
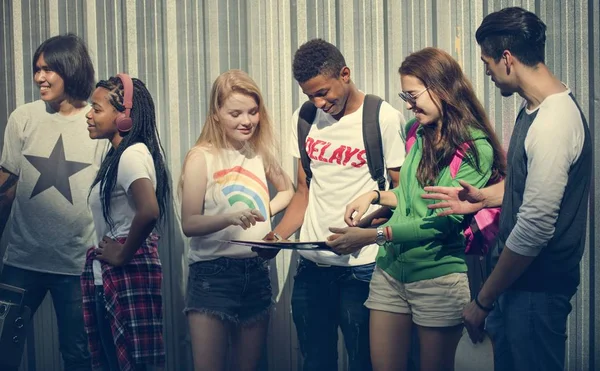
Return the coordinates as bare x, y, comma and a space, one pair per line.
317, 57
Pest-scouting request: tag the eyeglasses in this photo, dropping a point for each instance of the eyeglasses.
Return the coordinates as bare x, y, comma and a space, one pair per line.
409, 98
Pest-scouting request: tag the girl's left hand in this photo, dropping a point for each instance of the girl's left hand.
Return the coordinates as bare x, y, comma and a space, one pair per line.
110, 251
345, 241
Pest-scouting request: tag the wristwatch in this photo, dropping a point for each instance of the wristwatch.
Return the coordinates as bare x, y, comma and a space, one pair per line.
380, 239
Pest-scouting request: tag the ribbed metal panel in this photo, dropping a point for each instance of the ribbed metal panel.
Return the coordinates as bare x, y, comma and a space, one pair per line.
179, 47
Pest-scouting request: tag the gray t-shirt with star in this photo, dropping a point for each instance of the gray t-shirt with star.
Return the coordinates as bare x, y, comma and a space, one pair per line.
51, 226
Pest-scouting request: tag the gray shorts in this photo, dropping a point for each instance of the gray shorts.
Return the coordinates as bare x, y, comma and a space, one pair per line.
235, 290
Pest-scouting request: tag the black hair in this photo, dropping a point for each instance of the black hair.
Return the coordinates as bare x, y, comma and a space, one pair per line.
67, 55
317, 57
514, 29
144, 130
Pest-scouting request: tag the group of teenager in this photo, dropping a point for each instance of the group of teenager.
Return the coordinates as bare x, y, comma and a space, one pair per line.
397, 254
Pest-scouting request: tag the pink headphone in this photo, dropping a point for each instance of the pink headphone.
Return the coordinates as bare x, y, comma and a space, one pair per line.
124, 122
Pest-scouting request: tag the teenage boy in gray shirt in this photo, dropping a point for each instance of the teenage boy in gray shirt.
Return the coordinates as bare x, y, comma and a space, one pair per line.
544, 202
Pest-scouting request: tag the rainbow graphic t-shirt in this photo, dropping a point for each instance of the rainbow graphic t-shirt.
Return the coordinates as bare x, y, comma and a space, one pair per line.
241, 185
235, 182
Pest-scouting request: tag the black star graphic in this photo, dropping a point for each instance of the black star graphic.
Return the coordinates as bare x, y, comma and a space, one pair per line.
55, 171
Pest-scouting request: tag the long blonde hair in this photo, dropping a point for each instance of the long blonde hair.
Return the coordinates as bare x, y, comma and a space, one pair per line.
213, 136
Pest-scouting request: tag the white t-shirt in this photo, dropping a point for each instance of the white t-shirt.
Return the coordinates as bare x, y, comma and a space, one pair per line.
340, 174
135, 163
234, 183
56, 161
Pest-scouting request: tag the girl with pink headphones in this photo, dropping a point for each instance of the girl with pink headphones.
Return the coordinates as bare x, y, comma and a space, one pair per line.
122, 301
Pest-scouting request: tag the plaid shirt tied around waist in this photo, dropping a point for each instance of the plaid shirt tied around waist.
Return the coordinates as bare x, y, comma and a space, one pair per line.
134, 306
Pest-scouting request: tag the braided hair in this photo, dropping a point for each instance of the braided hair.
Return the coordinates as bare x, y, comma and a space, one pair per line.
144, 130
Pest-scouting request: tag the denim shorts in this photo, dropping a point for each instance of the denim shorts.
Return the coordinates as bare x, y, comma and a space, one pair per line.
235, 290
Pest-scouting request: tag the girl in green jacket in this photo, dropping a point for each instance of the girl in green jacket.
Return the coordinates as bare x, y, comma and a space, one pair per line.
421, 272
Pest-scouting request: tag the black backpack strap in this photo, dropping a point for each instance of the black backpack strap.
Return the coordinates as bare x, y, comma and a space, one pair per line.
372, 139
307, 114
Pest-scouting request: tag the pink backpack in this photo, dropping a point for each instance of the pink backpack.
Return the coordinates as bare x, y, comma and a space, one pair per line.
481, 233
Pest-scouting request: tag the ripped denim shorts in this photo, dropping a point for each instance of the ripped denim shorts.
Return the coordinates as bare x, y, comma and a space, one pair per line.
234, 290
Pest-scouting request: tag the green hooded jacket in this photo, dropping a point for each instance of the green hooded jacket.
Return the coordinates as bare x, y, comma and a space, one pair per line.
424, 245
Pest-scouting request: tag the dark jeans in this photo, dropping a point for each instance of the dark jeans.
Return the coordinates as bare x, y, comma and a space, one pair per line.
323, 299
66, 298
529, 331
109, 352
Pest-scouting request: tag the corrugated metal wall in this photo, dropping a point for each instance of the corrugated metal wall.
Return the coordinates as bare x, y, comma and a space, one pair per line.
179, 47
